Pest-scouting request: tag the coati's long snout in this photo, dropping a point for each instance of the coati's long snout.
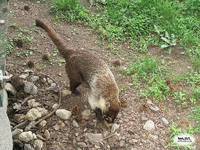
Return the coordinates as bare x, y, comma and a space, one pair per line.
82, 66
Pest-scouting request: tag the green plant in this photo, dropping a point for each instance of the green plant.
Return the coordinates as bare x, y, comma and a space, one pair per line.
26, 53
191, 78
71, 10
9, 47
180, 97
196, 64
196, 94
196, 116
158, 89
144, 68
168, 40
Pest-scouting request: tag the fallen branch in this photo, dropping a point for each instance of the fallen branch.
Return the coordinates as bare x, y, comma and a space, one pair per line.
109, 136
20, 124
26, 99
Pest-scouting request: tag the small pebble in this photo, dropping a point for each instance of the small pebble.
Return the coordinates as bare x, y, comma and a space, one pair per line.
75, 124
86, 114
43, 123
114, 127
2, 22
38, 144
42, 110
63, 114
32, 103
47, 134
35, 78
30, 88
66, 93
165, 121
16, 132
149, 125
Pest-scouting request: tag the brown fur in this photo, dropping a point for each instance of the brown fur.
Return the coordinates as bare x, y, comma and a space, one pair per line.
84, 67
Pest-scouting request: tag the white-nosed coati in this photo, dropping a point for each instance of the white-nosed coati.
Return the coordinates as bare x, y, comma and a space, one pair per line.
84, 67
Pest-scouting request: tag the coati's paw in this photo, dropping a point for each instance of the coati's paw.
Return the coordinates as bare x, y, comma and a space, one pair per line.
102, 125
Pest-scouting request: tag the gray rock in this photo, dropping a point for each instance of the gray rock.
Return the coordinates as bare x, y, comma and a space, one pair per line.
19, 117
38, 144
143, 118
43, 123
42, 110
35, 78
28, 71
63, 114
133, 141
53, 85
94, 138
165, 121
86, 114
17, 106
2, 22
47, 134
27, 136
30, 88
75, 124
154, 108
50, 81
16, 132
149, 125
32, 103
28, 147
55, 106
33, 114
10, 88
66, 92
59, 125
82, 144
114, 127
56, 127
122, 143
24, 76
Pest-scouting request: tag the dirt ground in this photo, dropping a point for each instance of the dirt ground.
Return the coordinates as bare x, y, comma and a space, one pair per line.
130, 135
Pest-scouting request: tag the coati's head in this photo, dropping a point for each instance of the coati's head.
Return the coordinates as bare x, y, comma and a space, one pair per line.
106, 110
112, 111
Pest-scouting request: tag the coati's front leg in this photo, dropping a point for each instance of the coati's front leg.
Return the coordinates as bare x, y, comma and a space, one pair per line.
99, 115
74, 79
73, 86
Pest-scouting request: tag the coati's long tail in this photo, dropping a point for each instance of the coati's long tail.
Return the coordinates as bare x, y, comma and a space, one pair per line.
57, 40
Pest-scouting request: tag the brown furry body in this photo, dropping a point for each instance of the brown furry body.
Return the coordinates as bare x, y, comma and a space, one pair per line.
84, 67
